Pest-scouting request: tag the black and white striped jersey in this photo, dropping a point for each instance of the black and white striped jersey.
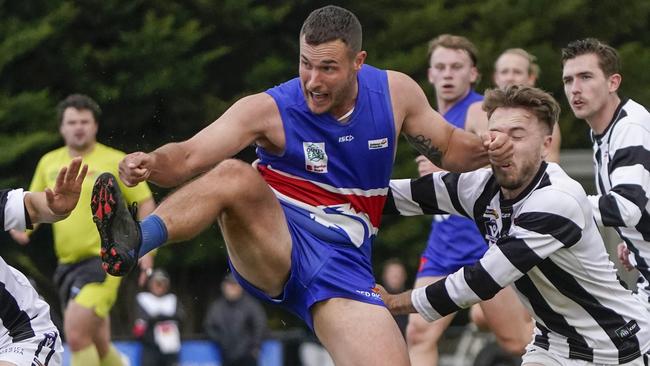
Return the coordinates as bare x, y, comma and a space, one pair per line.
544, 242
622, 163
12, 209
23, 315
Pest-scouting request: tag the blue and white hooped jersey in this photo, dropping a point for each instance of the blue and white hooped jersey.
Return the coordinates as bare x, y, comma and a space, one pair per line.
336, 174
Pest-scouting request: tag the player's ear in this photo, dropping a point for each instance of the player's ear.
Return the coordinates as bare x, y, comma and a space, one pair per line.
613, 82
474, 75
546, 146
359, 60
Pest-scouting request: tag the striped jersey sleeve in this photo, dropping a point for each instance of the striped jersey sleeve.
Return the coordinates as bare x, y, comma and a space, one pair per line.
547, 221
12, 209
437, 193
627, 172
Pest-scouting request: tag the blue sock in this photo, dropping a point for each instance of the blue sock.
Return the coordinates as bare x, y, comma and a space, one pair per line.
154, 234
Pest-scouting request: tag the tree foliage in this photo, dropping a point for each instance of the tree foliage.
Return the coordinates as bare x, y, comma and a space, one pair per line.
162, 70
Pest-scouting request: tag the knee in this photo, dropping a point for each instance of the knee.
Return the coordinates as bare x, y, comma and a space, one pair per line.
478, 318
512, 344
232, 170
514, 341
419, 332
76, 338
231, 176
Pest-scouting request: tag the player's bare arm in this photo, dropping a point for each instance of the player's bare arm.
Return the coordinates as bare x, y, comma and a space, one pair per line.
446, 146
251, 119
56, 204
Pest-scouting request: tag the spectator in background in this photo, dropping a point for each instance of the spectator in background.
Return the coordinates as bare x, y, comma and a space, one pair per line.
159, 316
236, 323
393, 278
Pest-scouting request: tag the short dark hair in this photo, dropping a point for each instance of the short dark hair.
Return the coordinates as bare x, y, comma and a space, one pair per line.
330, 23
455, 43
608, 58
80, 102
539, 102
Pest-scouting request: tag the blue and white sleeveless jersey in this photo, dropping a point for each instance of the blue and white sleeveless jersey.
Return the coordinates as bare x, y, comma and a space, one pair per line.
336, 174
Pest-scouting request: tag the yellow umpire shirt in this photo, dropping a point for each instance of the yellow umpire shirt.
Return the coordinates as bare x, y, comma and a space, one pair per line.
76, 237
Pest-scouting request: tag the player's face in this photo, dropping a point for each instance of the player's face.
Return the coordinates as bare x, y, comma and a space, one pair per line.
78, 128
586, 87
451, 73
329, 76
512, 69
530, 141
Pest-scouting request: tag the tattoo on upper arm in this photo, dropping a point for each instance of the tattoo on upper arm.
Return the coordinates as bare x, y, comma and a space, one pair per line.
423, 146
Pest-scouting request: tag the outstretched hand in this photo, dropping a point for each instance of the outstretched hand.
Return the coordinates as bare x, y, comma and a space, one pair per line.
64, 197
135, 168
499, 147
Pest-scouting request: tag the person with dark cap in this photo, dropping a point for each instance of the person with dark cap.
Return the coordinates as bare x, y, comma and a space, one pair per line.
159, 316
236, 322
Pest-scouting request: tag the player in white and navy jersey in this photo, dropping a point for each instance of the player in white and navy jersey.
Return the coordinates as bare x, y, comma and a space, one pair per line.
620, 131
543, 240
27, 334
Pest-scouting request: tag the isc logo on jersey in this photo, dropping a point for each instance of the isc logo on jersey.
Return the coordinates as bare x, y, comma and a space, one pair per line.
315, 157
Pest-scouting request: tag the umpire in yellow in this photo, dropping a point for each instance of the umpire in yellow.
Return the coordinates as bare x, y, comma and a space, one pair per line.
87, 293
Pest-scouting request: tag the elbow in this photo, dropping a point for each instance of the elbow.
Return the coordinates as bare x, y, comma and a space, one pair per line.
633, 218
464, 163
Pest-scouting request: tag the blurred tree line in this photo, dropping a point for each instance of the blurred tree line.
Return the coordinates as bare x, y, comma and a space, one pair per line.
162, 70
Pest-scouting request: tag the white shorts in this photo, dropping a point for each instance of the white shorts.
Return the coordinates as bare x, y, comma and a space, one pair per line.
540, 356
40, 350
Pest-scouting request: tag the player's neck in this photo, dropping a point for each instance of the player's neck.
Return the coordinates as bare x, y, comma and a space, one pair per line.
602, 118
444, 105
343, 112
510, 194
76, 152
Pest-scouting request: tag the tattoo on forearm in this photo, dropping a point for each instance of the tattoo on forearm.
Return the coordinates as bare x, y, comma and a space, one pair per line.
424, 147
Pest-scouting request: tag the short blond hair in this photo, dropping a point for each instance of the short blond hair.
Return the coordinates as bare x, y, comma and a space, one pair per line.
533, 67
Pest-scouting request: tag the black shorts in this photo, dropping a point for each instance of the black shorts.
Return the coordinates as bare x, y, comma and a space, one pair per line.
71, 278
